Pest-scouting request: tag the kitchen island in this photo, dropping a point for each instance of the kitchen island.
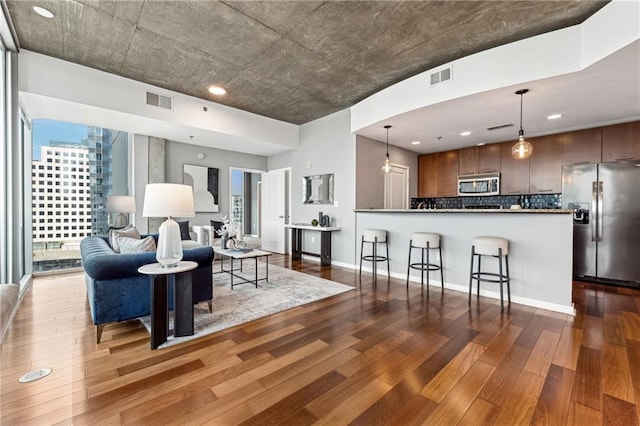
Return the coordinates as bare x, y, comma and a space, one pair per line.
540, 248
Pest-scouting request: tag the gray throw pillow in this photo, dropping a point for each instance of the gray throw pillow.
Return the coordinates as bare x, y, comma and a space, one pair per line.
136, 245
129, 231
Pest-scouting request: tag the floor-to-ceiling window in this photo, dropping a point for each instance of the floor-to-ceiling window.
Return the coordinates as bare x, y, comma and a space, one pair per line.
72, 176
245, 200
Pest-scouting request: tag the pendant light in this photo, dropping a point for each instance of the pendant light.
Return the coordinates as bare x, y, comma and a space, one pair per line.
522, 149
387, 166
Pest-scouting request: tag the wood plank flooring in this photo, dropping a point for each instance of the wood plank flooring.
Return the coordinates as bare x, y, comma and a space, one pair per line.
381, 354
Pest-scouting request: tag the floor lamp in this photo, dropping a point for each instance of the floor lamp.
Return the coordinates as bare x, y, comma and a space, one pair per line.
168, 200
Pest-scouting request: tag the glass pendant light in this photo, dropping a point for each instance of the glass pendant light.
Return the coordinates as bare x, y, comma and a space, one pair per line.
522, 149
387, 166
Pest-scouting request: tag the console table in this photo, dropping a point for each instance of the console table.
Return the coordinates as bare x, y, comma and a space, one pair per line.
183, 312
297, 229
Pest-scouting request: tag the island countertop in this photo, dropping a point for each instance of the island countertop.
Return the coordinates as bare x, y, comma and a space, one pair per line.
501, 211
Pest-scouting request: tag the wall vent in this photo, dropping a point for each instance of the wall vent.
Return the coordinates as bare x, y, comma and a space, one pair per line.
500, 126
159, 101
441, 76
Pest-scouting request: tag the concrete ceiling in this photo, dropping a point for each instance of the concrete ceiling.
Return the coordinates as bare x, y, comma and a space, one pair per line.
294, 61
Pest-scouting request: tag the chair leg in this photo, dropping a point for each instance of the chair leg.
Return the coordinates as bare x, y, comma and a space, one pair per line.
210, 303
506, 262
479, 272
441, 269
473, 252
386, 243
375, 258
361, 254
501, 279
409, 263
428, 250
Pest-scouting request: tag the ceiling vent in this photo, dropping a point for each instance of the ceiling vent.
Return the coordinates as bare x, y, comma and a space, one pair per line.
500, 126
441, 76
159, 101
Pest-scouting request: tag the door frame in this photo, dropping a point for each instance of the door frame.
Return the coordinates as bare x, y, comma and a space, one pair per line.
244, 169
288, 205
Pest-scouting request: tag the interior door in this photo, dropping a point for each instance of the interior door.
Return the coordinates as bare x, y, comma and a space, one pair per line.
396, 188
274, 211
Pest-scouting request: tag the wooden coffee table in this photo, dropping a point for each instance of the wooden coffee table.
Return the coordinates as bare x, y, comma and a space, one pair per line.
235, 254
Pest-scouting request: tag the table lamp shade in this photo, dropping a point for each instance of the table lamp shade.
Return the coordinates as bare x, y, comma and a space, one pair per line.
167, 200
121, 204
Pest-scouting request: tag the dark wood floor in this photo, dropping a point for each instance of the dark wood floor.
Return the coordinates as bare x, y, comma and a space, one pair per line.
377, 355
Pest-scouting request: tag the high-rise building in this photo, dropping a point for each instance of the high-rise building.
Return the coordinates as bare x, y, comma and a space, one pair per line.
98, 143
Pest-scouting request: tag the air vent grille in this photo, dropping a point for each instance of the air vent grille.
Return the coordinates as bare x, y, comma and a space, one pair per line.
159, 101
441, 76
500, 126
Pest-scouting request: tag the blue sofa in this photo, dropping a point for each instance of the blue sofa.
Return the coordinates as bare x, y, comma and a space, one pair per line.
117, 292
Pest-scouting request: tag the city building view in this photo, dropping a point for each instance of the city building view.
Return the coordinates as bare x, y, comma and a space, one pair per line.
71, 180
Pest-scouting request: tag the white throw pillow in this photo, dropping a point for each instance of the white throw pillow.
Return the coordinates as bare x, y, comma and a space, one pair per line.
128, 231
136, 245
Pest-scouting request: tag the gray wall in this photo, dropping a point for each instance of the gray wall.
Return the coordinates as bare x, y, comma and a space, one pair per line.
370, 156
328, 145
177, 154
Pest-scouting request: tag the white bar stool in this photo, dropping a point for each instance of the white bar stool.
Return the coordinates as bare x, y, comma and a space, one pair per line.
496, 247
374, 237
425, 241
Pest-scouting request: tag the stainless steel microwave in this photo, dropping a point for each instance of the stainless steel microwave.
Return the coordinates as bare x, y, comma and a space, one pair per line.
477, 185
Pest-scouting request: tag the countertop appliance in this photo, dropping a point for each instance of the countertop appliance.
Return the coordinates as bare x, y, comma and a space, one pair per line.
606, 230
475, 185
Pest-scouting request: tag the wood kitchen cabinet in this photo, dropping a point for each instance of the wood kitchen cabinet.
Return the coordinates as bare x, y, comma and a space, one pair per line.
448, 174
468, 161
514, 174
621, 142
545, 165
428, 175
489, 158
581, 147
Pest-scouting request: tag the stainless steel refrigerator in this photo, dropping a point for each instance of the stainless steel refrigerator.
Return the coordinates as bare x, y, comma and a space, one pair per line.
606, 232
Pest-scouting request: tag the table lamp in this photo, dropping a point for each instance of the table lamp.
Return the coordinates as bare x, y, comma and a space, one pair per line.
167, 200
122, 205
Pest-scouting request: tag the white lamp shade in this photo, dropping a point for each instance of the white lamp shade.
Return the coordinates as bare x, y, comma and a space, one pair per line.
121, 204
168, 199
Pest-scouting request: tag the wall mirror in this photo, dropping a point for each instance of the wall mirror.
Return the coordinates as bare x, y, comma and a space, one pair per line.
317, 189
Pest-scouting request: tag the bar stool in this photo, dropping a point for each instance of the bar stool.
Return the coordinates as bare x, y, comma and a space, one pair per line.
374, 236
425, 241
496, 247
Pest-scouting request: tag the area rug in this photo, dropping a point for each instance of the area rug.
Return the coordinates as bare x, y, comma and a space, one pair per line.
284, 290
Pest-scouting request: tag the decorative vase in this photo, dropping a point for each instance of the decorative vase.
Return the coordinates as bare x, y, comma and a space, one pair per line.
223, 240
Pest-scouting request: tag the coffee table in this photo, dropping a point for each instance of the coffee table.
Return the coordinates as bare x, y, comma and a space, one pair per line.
235, 254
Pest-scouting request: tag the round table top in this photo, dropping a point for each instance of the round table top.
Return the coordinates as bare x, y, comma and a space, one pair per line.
157, 269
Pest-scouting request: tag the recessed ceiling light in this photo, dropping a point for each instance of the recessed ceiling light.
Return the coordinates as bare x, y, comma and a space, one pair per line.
554, 116
481, 144
415, 143
217, 90
467, 133
45, 13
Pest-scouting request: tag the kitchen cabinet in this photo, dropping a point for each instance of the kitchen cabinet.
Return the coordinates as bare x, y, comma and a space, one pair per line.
468, 161
581, 147
621, 142
428, 175
545, 165
489, 158
514, 174
448, 174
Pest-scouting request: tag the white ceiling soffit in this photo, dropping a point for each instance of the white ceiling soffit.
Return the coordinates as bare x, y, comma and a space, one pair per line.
564, 71
77, 94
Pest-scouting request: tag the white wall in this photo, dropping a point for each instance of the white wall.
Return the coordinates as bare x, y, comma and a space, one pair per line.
370, 155
329, 147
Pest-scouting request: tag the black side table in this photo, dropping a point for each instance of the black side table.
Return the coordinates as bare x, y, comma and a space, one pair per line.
183, 312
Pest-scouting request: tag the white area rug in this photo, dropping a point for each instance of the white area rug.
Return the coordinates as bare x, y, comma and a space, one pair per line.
284, 290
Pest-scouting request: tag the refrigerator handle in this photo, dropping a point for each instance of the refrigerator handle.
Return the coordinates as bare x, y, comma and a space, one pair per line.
600, 199
594, 209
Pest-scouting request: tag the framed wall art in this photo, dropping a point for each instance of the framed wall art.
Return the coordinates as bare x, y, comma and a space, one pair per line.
204, 181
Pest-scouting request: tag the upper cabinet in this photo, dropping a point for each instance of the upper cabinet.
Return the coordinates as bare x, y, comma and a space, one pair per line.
447, 174
545, 165
428, 175
468, 161
489, 158
621, 142
514, 174
581, 147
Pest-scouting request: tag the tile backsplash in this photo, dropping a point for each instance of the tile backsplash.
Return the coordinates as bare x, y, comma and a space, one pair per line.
534, 201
